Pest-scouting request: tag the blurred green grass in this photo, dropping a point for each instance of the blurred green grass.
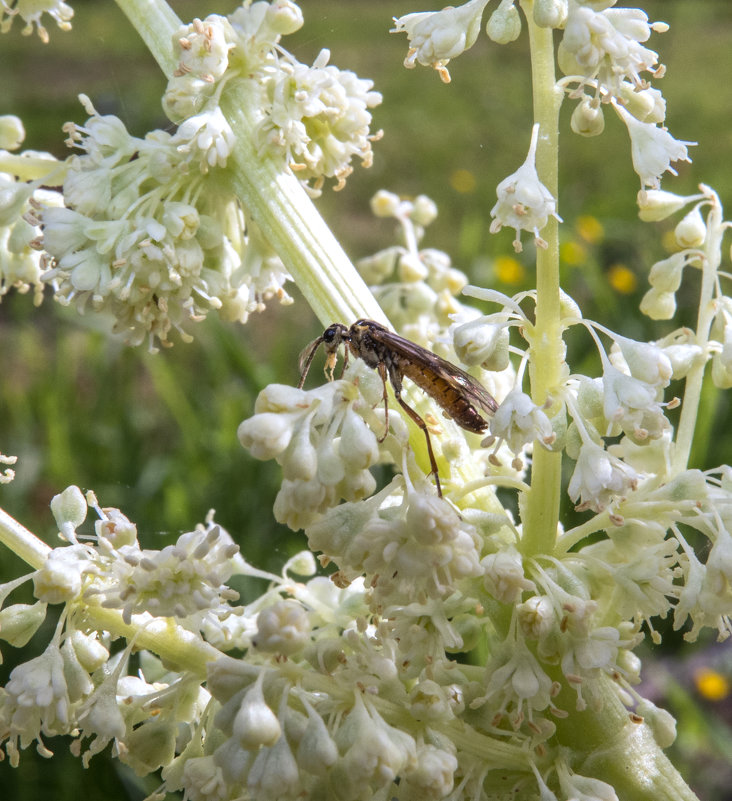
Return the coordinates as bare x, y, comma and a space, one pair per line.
155, 435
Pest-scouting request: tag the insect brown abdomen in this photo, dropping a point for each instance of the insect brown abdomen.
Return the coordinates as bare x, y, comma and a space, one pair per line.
452, 401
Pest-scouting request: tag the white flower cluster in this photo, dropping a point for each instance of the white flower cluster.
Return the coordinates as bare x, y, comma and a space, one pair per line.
602, 55
20, 261
321, 439
315, 119
150, 230
416, 287
317, 703
31, 11
131, 242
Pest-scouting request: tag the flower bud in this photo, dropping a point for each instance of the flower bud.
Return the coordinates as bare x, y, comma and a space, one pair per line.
683, 357
588, 118
69, 509
284, 17
374, 269
359, 448
299, 461
480, 342
19, 622
657, 204
646, 105
424, 210
661, 722
665, 275
411, 268
266, 435
317, 751
89, 651
504, 24
302, 564
646, 361
12, 132
151, 745
691, 231
255, 724
384, 204
282, 628
658, 305
550, 13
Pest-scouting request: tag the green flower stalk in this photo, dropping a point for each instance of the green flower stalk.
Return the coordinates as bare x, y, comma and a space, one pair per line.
455, 649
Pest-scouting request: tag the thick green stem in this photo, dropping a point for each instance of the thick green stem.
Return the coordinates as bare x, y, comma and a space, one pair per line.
292, 225
275, 199
541, 512
607, 744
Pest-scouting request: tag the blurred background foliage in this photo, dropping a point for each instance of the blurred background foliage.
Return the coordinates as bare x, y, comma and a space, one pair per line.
156, 434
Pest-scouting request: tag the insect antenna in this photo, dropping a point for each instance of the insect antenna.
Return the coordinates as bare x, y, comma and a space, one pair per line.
305, 359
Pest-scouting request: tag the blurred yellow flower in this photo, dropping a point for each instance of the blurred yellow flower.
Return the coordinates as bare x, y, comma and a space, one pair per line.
622, 279
573, 253
590, 229
463, 181
509, 270
711, 685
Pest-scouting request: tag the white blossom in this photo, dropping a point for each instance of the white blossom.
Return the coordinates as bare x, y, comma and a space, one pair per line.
318, 119
524, 203
583, 788
605, 44
208, 132
181, 580
35, 700
652, 148
657, 204
633, 404
504, 24
519, 421
691, 230
435, 37
60, 578
599, 478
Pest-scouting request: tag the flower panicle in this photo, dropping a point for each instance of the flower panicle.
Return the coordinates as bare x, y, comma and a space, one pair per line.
150, 229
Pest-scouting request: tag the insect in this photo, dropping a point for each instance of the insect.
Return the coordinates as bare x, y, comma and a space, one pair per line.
460, 396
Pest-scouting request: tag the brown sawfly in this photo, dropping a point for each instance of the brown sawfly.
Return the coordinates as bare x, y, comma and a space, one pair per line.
458, 394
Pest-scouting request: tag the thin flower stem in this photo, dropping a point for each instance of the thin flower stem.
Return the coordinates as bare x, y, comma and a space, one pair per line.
542, 509
707, 308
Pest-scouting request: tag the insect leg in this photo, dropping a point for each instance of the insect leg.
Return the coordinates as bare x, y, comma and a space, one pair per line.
421, 423
382, 372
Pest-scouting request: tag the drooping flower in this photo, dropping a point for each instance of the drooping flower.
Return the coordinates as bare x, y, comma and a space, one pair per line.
524, 203
599, 478
652, 148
